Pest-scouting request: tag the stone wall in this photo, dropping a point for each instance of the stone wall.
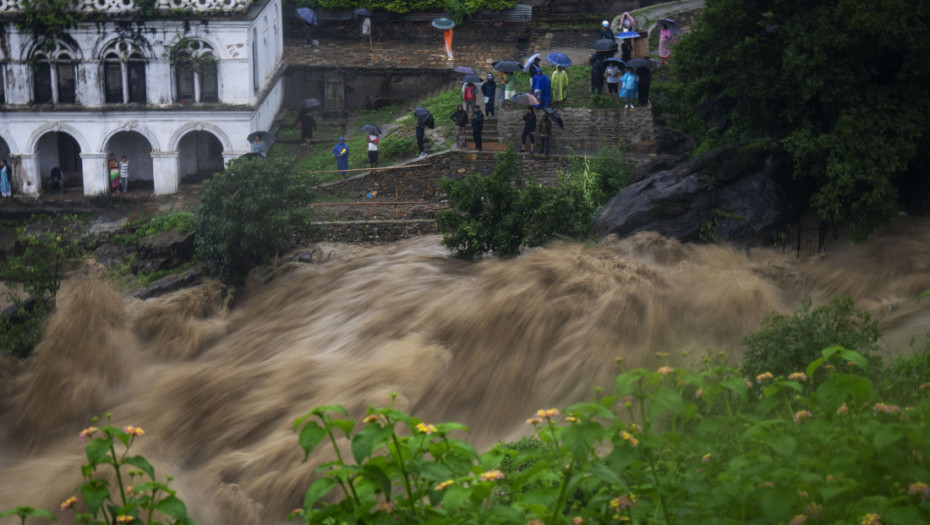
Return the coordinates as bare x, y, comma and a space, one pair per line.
375, 231
586, 129
420, 181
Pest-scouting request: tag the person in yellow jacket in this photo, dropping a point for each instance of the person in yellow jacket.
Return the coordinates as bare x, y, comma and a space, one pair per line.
559, 87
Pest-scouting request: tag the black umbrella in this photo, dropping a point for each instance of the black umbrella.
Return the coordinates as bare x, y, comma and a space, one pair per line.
266, 137
424, 117
311, 102
308, 15
529, 61
555, 117
614, 60
470, 78
507, 66
605, 44
671, 25
637, 63
418, 111
371, 129
443, 23
362, 12
465, 70
525, 99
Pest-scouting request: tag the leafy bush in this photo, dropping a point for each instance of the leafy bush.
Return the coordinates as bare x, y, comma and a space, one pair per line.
181, 222
249, 213
567, 208
786, 341
705, 447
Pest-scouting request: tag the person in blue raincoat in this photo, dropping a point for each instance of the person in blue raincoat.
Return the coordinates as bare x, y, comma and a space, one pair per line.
545, 85
341, 152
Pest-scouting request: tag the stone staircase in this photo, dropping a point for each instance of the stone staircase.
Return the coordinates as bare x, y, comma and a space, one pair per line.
490, 139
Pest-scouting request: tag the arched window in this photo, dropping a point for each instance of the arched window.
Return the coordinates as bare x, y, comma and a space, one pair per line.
54, 77
195, 73
123, 74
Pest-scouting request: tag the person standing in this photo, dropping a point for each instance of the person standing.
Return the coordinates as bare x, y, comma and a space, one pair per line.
509, 86
420, 130
529, 130
477, 125
666, 38
645, 78
113, 171
123, 175
447, 36
630, 85
6, 187
545, 86
470, 96
460, 118
341, 152
626, 49
613, 78
489, 90
559, 86
373, 141
627, 22
597, 74
605, 32
366, 31
259, 147
307, 124
308, 34
545, 130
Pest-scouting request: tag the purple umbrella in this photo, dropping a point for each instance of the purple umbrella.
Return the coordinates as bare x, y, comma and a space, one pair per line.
311, 102
465, 70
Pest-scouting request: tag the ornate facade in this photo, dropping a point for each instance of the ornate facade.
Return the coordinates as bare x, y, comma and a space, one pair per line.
177, 92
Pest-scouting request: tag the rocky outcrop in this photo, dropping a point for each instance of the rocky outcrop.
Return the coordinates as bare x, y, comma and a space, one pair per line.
732, 194
164, 251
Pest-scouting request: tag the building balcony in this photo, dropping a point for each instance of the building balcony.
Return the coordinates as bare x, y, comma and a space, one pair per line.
128, 7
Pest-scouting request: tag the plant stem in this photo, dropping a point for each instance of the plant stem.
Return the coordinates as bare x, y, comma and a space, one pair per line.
119, 477
332, 439
558, 505
403, 470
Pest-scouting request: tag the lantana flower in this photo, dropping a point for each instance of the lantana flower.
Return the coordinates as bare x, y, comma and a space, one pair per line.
88, 432
444, 485
426, 429
798, 520
136, 431
571, 419
886, 409
629, 437
871, 519
705, 458
124, 518
371, 418
491, 475
625, 501
665, 370
534, 421
920, 488
68, 503
798, 376
763, 376
842, 410
547, 413
801, 415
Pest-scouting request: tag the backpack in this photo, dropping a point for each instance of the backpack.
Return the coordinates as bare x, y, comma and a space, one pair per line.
429, 122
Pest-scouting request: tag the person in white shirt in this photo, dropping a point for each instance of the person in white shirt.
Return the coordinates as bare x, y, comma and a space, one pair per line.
366, 30
372, 150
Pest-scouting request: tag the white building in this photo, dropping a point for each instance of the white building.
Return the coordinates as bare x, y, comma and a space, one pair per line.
143, 87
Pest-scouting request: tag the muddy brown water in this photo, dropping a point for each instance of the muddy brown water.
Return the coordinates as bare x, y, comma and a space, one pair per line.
217, 388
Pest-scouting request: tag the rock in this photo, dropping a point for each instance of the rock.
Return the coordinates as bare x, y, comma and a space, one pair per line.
108, 254
170, 284
103, 224
304, 257
733, 193
164, 251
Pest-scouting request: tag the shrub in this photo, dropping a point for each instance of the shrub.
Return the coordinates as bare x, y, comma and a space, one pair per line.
249, 213
395, 148
785, 342
567, 208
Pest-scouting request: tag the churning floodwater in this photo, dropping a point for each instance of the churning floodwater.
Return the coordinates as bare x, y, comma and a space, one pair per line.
217, 382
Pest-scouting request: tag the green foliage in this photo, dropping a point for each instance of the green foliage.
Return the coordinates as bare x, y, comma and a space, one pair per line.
840, 83
184, 53
486, 215
396, 148
181, 222
610, 169
567, 208
136, 497
786, 341
22, 331
48, 20
457, 8
45, 247
705, 447
249, 213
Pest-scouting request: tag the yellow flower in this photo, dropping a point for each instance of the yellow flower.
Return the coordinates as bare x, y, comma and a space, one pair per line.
88, 432
919, 488
131, 491
548, 414
386, 507
665, 370
798, 376
68, 503
577, 520
571, 419
629, 437
801, 415
871, 519
136, 431
426, 429
371, 419
842, 410
534, 421
444, 485
491, 475
705, 458
925, 385
763, 376
124, 518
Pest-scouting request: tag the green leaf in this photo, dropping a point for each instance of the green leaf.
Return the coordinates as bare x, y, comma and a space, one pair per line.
855, 357
377, 476
323, 409
311, 436
454, 497
667, 398
783, 444
885, 437
97, 451
142, 464
173, 507
607, 475
317, 490
345, 425
579, 438
737, 385
366, 441
625, 383
436, 471
94, 493
27, 511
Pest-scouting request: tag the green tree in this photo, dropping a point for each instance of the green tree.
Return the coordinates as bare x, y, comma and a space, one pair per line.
457, 8
786, 343
249, 213
840, 83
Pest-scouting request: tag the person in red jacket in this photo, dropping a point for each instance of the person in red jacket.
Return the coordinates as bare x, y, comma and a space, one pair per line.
470, 96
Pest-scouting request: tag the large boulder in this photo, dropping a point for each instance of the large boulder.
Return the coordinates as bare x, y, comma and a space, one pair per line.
732, 194
164, 251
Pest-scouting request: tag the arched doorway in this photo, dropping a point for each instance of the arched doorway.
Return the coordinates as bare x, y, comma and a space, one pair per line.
138, 152
57, 148
200, 156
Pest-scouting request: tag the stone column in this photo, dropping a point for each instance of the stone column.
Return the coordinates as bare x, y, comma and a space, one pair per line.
28, 171
165, 172
94, 173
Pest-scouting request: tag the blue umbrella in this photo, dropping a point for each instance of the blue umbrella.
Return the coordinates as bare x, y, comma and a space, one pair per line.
443, 23
627, 34
559, 59
308, 15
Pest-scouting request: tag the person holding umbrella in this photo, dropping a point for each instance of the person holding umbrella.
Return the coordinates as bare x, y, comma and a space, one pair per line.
630, 84
559, 86
372, 139
460, 117
341, 152
666, 38
259, 147
489, 90
424, 120
597, 74
605, 32
545, 130
470, 97
509, 89
529, 130
477, 125
307, 124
